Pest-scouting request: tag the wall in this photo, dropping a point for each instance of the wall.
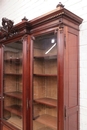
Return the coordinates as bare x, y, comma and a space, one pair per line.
17, 9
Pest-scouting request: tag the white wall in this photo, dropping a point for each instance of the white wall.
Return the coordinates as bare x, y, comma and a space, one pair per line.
17, 9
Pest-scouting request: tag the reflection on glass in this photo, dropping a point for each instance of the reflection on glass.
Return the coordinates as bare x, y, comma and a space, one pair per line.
45, 83
12, 85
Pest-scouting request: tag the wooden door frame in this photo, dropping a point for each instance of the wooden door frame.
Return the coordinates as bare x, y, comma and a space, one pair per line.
61, 78
60, 71
25, 82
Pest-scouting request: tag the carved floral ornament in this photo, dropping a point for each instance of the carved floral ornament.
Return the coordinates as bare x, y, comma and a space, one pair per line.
6, 28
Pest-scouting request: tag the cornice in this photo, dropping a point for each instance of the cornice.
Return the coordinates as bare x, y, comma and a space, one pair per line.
53, 18
54, 15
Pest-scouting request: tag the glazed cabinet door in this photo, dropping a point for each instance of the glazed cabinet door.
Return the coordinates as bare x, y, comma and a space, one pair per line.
14, 85
0, 85
45, 84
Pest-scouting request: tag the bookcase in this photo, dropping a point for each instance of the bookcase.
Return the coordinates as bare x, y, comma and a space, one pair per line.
39, 72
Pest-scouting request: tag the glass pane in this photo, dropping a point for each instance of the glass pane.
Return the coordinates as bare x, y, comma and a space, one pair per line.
45, 83
12, 83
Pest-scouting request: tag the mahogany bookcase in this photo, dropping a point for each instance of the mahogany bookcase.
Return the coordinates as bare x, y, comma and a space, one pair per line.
39, 72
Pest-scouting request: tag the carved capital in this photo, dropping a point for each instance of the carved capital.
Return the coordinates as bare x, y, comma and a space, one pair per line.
61, 26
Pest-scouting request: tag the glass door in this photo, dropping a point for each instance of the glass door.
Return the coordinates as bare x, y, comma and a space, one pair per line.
45, 89
12, 84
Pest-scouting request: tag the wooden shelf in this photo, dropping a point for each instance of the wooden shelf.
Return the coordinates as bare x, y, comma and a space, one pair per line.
46, 75
15, 121
46, 128
13, 59
46, 57
15, 74
16, 109
14, 94
47, 101
16, 61
48, 120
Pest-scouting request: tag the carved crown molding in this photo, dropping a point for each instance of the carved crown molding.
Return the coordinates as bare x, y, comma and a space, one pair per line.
55, 18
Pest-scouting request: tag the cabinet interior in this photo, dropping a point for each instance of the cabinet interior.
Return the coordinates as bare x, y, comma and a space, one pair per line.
12, 82
45, 82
